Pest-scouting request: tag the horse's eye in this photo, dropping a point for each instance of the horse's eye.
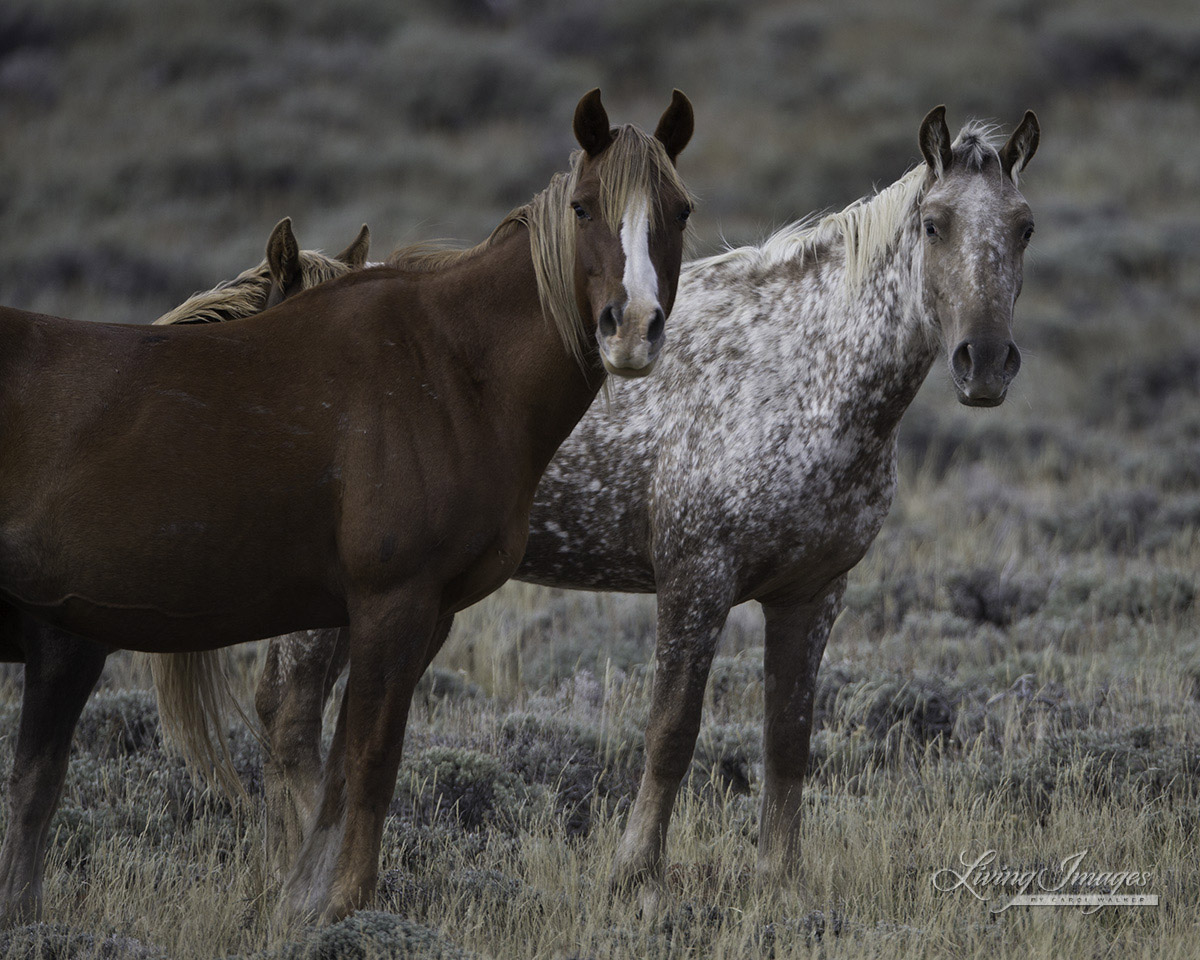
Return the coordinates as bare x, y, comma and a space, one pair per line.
931, 229
1028, 234
684, 214
580, 213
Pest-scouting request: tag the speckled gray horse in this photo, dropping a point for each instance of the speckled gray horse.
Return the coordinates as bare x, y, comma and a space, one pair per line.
758, 465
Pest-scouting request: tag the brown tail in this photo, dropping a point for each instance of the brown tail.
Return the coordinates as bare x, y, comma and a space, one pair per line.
194, 702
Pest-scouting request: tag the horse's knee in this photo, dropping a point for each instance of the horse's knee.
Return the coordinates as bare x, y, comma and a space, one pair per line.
669, 754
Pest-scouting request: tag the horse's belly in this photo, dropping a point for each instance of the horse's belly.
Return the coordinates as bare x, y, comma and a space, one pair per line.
125, 571
589, 528
577, 571
154, 629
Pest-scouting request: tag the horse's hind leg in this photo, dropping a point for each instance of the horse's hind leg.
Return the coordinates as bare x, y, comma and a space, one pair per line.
690, 616
795, 642
60, 672
297, 680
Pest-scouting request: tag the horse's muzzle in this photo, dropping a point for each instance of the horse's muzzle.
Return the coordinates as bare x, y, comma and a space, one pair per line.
630, 341
982, 371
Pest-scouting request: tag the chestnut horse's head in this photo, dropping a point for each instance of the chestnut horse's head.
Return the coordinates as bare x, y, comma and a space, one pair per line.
976, 226
629, 209
286, 270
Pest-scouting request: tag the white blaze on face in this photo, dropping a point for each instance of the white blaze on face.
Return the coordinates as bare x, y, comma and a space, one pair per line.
641, 280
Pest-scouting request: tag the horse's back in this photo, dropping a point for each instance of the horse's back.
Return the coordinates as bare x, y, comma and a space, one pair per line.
192, 466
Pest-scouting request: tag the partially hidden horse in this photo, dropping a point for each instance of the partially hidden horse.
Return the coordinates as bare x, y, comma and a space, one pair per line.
759, 464
285, 270
364, 454
61, 669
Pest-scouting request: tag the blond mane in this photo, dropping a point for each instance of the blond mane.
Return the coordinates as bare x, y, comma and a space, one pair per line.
867, 227
634, 165
247, 293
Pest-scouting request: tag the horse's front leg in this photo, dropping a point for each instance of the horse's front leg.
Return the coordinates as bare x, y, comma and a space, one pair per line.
295, 686
338, 866
796, 633
691, 613
60, 672
297, 680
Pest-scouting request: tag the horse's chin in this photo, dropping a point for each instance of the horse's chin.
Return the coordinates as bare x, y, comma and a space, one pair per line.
980, 401
629, 373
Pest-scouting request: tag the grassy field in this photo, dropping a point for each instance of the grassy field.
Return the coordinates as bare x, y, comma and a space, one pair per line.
1018, 667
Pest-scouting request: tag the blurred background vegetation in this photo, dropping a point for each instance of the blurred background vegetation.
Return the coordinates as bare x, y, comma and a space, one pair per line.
1020, 659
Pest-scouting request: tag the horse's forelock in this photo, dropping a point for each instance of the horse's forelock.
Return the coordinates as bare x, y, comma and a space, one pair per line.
635, 166
317, 267
976, 143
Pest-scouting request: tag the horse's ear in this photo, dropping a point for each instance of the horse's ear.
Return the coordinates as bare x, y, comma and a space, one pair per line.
283, 255
675, 127
935, 140
592, 129
355, 255
1022, 145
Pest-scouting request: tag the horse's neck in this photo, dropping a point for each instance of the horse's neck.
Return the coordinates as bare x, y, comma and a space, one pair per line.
888, 340
810, 349
525, 356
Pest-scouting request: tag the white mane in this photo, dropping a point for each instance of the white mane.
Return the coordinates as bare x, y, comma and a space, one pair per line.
867, 227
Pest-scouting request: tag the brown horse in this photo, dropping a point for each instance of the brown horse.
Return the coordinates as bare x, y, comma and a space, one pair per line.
61, 669
365, 454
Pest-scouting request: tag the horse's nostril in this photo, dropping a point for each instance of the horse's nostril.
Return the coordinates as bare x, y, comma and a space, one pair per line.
655, 331
961, 361
1012, 363
608, 321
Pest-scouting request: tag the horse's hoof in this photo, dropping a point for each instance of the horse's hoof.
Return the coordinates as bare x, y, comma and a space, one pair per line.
655, 900
773, 880
335, 912
297, 908
287, 918
23, 910
628, 879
